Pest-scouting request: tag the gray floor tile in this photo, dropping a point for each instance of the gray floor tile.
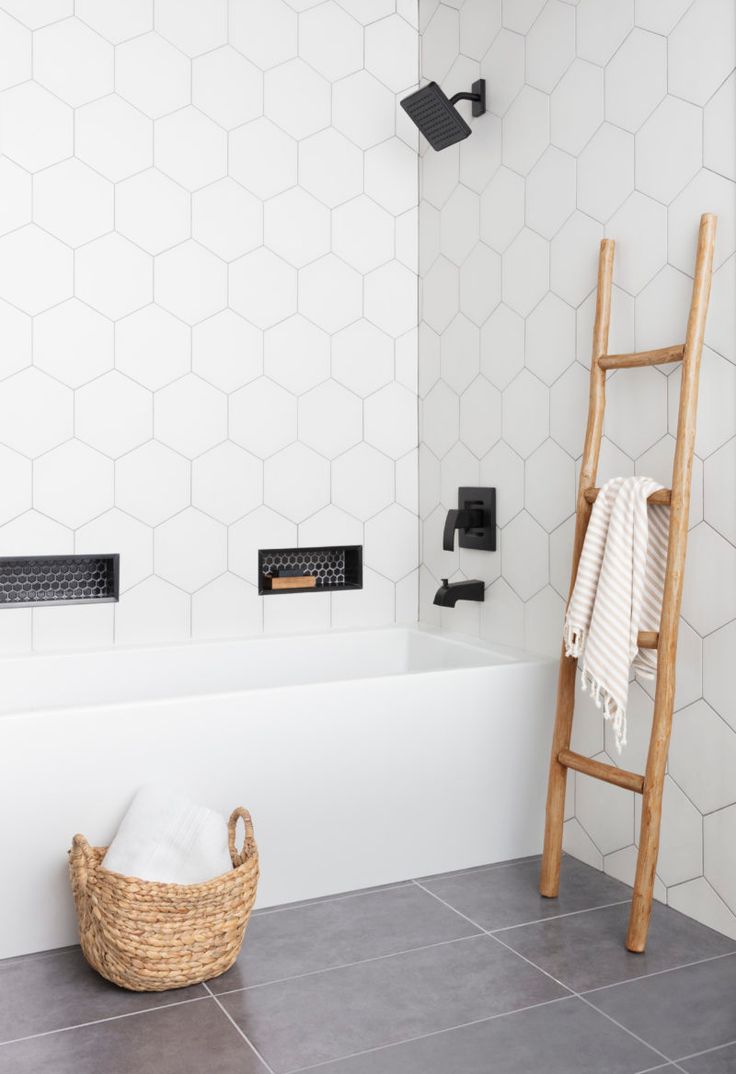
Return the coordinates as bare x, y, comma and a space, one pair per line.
298, 903
682, 1012
497, 898
195, 1038
338, 931
721, 1061
58, 989
587, 950
329, 1015
481, 868
558, 1038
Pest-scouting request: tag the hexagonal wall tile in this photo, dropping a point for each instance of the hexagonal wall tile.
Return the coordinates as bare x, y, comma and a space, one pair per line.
503, 69
458, 467
602, 26
132, 539
574, 258
152, 347
264, 31
459, 224
720, 474
480, 416
330, 167
113, 414
37, 127
34, 534
390, 52
480, 283
669, 149
709, 592
657, 463
702, 756
190, 549
363, 109
460, 353
16, 208
439, 291
525, 271
635, 419
503, 470
569, 408
362, 357
113, 276
153, 611
296, 99
706, 29
113, 137
15, 52
715, 192
227, 219
191, 282
681, 842
440, 419
716, 402
190, 415
391, 298
550, 192
363, 234
550, 485
114, 22
319, 29
525, 413
720, 832
226, 607
226, 351
391, 175
194, 27
330, 419
15, 328
606, 816
718, 650
227, 482
296, 227
32, 392
636, 79
526, 130
330, 293
525, 555
296, 482
262, 158
15, 485
262, 417
263, 288
297, 354
550, 338
640, 230
262, 528
73, 343
391, 420
362, 481
152, 483
662, 309
73, 202
72, 483
502, 346
550, 46
190, 148
606, 172
153, 211
576, 106
391, 542
227, 88
153, 75
35, 269
719, 117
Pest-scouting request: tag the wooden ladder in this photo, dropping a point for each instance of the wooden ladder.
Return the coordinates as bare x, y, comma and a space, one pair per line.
651, 784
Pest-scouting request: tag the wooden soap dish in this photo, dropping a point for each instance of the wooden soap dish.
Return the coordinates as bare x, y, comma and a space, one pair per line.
276, 581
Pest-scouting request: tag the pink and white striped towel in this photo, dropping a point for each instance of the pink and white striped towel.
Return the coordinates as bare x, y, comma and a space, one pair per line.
618, 592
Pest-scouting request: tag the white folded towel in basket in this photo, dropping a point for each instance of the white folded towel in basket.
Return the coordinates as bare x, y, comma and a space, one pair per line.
166, 837
617, 593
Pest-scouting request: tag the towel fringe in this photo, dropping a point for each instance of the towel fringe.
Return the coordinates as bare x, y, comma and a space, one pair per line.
613, 712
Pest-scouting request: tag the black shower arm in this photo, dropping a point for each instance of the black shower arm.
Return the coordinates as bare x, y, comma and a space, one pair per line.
464, 97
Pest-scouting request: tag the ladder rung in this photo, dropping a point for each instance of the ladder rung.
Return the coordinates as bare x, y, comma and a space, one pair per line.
661, 496
647, 639
608, 772
657, 357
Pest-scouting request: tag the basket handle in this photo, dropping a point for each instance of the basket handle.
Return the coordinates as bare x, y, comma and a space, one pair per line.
81, 859
238, 857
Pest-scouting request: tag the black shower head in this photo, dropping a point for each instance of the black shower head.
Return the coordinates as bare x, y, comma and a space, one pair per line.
437, 119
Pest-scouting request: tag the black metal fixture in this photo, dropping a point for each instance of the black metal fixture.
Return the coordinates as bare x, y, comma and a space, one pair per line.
437, 118
475, 518
450, 593
36, 581
322, 569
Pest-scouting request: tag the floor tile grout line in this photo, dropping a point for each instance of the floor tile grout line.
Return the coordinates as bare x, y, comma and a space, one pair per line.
660, 973
433, 1033
706, 1051
556, 917
307, 904
242, 1033
99, 1021
555, 979
348, 965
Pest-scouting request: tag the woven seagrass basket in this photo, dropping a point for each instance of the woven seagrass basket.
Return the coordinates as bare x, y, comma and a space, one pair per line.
149, 937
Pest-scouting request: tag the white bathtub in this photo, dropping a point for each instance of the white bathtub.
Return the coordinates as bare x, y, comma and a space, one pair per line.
366, 757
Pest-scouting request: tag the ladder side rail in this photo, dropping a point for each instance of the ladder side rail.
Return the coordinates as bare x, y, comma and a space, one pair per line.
549, 882
641, 905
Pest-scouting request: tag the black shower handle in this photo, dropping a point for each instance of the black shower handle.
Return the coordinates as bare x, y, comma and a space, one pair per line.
459, 519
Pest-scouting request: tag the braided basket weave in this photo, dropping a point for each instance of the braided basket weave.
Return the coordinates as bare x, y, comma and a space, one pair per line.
149, 937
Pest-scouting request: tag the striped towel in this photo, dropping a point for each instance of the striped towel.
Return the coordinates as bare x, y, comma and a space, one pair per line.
618, 592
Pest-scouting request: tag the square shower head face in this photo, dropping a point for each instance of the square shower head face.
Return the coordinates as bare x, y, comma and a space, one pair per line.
439, 122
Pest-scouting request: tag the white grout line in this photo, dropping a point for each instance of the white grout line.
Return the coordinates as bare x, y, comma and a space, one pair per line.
239, 1030
556, 917
708, 1051
99, 1021
660, 973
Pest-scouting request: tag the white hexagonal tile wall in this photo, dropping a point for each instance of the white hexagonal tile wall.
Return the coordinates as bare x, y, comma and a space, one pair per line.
526, 130
363, 109
32, 392
296, 99
297, 482
480, 416
35, 269
718, 649
320, 29
226, 351
607, 819
191, 282
390, 298
703, 756
73, 202
15, 52
113, 414
391, 175
227, 219
550, 46
550, 338
669, 149
576, 106
132, 539
262, 528
227, 482
606, 172
574, 258
719, 837
264, 31
16, 207
362, 234
113, 276
502, 346
194, 26
636, 79
190, 549
37, 127
640, 230
330, 419
330, 293
602, 26
190, 148
362, 357
525, 272
153, 611
152, 75
391, 420
480, 283
297, 354
262, 417
262, 288
550, 192
390, 52
262, 158
524, 554
440, 419
190, 416
503, 69
719, 117
296, 226
720, 474
391, 542
116, 22
525, 413
708, 28
153, 211
227, 88
15, 485
72, 342
152, 347
152, 483
330, 167
113, 138
709, 591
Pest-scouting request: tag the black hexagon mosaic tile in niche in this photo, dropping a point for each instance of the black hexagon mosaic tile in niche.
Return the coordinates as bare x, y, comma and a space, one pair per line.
38, 580
332, 568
